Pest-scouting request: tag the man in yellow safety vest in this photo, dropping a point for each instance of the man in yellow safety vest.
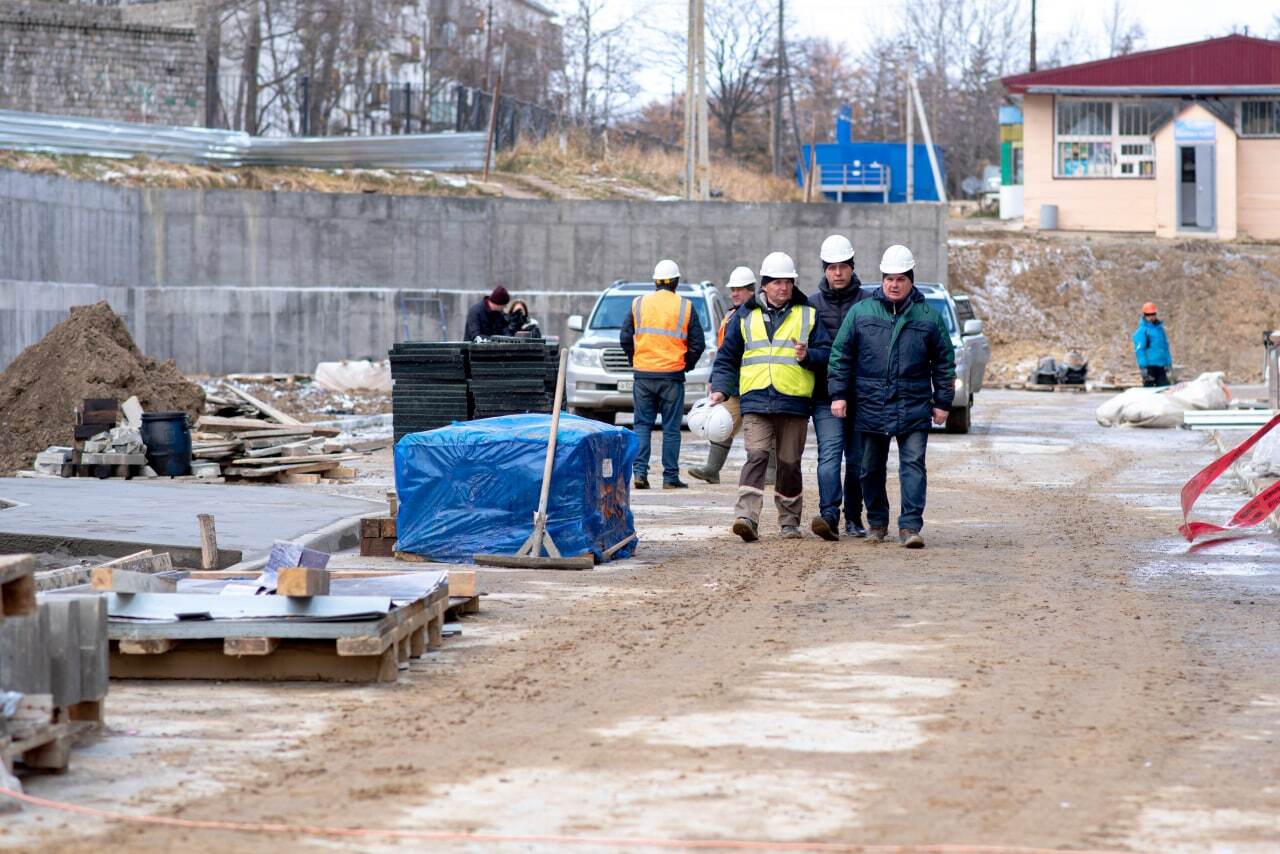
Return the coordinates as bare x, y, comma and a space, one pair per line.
742, 287
770, 350
663, 338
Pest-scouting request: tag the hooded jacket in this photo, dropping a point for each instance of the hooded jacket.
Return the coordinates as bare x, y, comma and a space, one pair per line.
1151, 345
728, 364
832, 306
893, 363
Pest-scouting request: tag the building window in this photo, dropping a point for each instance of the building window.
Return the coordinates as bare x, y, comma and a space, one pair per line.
1260, 118
1106, 139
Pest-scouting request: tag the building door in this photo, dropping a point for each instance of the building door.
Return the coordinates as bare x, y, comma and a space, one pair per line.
1197, 196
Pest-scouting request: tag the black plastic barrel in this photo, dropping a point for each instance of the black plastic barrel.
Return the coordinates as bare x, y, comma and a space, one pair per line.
168, 440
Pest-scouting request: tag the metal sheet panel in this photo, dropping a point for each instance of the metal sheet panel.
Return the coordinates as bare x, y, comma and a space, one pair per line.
166, 607
207, 147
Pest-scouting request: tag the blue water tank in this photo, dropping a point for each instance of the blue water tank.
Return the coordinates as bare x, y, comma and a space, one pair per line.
863, 157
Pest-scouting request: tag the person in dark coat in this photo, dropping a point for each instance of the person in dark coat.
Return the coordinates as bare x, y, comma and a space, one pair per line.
838, 442
486, 319
893, 369
519, 323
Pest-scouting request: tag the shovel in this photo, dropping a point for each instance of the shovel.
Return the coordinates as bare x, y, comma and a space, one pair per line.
530, 554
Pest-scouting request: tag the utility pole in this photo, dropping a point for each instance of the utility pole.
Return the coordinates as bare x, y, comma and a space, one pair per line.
1033, 35
777, 96
690, 95
704, 133
911, 131
697, 160
488, 49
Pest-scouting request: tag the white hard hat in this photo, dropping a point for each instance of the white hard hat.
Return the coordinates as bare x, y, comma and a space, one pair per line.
711, 422
836, 249
897, 259
666, 270
742, 277
778, 265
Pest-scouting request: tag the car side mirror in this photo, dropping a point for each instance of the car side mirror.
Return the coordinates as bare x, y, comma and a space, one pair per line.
972, 327
575, 322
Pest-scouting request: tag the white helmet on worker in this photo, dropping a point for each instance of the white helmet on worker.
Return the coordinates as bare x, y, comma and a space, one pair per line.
778, 265
712, 422
742, 277
836, 249
666, 272
897, 259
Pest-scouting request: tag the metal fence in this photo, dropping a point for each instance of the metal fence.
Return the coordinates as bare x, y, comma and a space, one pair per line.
205, 146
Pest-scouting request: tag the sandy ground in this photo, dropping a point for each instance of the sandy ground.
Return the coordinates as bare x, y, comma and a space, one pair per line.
1054, 670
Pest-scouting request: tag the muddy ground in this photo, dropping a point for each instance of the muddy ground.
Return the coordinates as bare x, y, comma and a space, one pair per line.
1054, 670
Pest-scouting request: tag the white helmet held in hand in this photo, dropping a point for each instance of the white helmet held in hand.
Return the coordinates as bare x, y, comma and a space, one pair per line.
742, 277
836, 249
711, 422
778, 265
897, 259
666, 271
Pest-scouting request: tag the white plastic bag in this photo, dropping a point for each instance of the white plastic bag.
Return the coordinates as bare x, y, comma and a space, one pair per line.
1264, 459
1163, 407
353, 374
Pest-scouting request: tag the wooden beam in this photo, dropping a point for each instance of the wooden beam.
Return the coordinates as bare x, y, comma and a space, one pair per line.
263, 407
146, 646
302, 581
250, 646
462, 582
109, 579
208, 541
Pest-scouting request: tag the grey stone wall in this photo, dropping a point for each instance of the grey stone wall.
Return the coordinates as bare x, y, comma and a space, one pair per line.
253, 281
82, 60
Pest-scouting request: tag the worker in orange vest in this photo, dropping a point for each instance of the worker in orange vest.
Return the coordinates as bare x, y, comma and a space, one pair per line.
663, 339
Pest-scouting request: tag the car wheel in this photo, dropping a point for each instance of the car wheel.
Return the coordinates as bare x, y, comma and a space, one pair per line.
958, 419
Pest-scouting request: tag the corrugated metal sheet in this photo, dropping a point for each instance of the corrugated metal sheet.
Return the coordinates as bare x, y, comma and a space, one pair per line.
1231, 61
203, 146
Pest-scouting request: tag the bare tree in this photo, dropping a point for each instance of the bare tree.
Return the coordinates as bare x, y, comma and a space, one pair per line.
739, 61
599, 62
1124, 34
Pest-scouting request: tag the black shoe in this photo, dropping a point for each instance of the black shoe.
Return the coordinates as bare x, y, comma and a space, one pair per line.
825, 528
910, 539
855, 529
746, 529
641, 483
675, 484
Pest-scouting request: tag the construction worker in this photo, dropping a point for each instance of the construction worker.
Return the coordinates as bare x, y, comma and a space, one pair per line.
663, 340
893, 365
486, 319
838, 442
771, 348
742, 287
1151, 347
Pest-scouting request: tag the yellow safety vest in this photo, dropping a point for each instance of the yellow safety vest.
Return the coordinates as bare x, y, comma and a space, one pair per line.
662, 331
768, 363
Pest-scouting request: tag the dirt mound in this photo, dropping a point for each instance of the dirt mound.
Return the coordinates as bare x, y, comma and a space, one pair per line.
90, 354
1044, 296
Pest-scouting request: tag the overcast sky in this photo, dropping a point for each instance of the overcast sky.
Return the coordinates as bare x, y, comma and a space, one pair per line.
1167, 22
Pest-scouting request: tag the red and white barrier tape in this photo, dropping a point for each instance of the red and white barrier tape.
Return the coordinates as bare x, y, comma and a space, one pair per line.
1254, 512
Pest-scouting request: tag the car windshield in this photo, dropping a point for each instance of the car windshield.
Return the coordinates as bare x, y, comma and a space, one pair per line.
940, 305
612, 311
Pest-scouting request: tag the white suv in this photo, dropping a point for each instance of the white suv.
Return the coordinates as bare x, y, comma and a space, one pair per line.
599, 379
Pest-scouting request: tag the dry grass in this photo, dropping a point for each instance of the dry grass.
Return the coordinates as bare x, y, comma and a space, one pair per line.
628, 172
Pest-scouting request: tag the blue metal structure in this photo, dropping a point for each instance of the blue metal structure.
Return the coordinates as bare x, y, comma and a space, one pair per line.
849, 171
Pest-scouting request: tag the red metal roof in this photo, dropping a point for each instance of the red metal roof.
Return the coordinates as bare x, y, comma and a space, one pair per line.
1229, 61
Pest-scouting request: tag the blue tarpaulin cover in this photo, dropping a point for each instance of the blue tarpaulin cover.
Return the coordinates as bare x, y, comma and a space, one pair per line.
472, 488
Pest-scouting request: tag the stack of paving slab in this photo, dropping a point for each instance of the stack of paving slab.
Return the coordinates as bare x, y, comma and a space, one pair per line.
53, 670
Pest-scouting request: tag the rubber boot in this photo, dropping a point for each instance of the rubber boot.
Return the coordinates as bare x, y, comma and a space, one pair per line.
710, 471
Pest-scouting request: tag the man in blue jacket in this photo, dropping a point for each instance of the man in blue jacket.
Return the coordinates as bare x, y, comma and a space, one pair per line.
893, 368
771, 347
1151, 347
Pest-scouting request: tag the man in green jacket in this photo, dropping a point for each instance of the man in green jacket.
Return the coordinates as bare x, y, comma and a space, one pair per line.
893, 368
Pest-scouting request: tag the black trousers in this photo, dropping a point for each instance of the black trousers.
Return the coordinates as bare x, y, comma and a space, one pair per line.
1155, 376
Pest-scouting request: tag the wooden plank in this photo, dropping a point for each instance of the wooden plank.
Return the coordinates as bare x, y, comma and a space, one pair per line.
250, 646
133, 561
513, 562
108, 579
462, 582
302, 581
208, 541
341, 472
18, 596
298, 479
149, 646
297, 661
269, 471
57, 579
218, 424
388, 526
410, 557
370, 527
15, 566
262, 406
310, 458
397, 626
89, 711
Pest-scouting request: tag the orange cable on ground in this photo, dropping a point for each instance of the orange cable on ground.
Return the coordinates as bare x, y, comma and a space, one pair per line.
462, 836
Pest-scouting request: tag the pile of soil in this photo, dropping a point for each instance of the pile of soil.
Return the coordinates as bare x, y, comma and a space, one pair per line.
90, 354
1043, 296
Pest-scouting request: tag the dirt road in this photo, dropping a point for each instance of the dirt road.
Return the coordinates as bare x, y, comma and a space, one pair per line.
1053, 670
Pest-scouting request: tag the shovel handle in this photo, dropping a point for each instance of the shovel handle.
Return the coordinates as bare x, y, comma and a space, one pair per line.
551, 439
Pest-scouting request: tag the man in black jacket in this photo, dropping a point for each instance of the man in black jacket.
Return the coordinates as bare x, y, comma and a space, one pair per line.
485, 319
838, 291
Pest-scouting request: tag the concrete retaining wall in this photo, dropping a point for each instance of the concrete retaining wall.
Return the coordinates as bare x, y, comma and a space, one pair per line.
253, 281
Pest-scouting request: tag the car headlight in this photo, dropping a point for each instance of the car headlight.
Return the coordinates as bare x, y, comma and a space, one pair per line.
585, 357
704, 361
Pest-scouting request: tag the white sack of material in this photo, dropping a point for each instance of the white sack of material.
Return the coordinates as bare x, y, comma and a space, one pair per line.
1264, 459
1163, 407
353, 375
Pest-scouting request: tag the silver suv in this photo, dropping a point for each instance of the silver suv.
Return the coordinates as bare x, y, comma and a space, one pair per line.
599, 379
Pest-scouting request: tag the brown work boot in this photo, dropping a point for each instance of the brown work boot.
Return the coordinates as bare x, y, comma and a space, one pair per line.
746, 529
876, 534
910, 539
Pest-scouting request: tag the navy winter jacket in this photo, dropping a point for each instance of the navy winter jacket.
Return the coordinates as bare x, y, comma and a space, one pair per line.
832, 306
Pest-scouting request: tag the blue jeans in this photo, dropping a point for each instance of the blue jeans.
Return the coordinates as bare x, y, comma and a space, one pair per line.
653, 397
912, 480
838, 442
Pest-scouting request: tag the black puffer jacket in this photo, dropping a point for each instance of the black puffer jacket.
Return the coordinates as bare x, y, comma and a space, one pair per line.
832, 306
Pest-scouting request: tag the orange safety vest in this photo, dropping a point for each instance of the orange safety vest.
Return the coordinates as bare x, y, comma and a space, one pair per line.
724, 325
662, 331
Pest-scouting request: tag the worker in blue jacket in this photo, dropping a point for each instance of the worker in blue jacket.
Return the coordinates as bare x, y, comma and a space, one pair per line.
1151, 347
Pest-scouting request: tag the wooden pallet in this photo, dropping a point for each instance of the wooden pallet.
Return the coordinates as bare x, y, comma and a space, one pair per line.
366, 651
